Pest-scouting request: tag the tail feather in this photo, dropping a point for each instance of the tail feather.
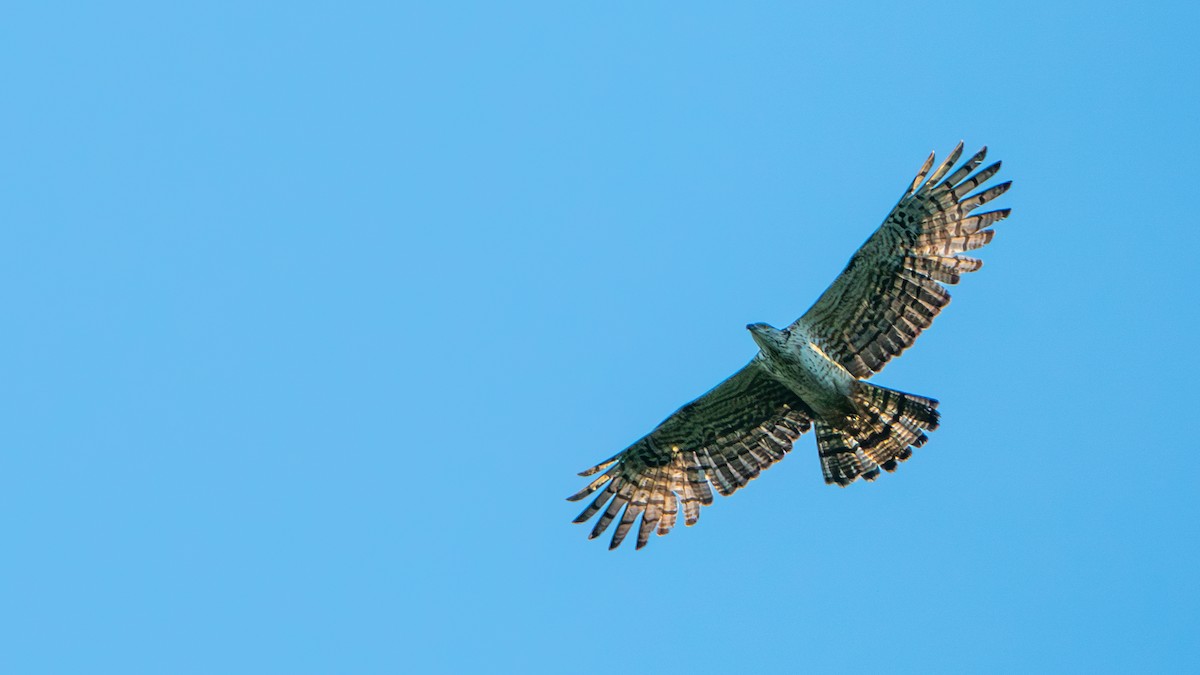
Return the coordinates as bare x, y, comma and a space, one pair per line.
842, 461
887, 425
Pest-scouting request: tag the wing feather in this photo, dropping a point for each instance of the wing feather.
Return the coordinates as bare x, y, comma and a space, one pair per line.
967, 167
891, 289
722, 440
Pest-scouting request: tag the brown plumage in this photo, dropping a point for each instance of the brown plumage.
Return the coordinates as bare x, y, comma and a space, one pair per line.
812, 371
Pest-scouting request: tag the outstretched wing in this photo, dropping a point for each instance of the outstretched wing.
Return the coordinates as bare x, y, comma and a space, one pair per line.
892, 288
725, 437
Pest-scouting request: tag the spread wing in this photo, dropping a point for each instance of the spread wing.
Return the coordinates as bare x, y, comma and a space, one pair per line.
724, 438
892, 288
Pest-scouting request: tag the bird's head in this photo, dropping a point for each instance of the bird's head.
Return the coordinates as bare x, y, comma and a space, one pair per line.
768, 337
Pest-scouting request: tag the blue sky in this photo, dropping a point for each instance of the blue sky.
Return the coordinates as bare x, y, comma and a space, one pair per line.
313, 310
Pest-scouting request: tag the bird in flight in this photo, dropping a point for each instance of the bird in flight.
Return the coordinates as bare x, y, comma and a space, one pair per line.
812, 373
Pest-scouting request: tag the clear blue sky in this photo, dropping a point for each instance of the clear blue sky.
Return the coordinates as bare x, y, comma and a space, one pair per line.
311, 312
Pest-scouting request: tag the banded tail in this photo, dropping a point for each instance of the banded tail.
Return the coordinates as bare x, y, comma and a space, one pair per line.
887, 426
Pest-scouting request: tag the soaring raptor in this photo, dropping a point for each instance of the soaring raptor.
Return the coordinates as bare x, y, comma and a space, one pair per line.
812, 372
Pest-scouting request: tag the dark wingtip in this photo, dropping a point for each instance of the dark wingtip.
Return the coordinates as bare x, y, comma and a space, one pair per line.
599, 467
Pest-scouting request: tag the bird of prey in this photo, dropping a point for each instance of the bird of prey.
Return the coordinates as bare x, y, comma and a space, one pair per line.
812, 372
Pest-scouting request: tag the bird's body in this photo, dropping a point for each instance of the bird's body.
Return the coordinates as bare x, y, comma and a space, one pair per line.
792, 358
813, 372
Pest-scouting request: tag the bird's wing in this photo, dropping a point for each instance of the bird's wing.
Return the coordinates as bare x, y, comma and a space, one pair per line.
892, 288
725, 437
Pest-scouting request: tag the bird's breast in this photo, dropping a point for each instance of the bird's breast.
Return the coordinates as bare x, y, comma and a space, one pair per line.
818, 380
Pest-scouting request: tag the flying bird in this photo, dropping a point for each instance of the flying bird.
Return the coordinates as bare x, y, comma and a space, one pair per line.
812, 373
